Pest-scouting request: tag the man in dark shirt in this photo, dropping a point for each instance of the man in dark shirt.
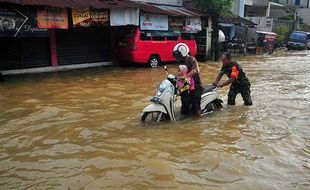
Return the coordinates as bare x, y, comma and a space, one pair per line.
237, 78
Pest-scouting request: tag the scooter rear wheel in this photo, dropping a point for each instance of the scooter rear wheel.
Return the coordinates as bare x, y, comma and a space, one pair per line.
213, 106
149, 117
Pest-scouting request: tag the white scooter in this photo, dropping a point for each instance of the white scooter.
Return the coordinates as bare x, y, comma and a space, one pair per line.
163, 104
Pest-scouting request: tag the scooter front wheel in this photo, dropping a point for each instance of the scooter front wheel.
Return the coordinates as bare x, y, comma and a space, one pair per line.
149, 117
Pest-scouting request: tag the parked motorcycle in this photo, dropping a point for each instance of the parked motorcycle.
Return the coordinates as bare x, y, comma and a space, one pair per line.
163, 104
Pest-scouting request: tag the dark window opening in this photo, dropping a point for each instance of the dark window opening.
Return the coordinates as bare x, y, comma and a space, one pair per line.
158, 38
172, 38
145, 36
187, 36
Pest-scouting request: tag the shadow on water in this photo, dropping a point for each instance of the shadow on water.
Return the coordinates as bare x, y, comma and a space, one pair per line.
80, 129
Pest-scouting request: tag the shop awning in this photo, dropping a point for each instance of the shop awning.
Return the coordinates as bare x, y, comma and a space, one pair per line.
109, 4
169, 10
232, 18
99, 4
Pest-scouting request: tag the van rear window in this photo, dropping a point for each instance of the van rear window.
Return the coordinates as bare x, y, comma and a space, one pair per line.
156, 35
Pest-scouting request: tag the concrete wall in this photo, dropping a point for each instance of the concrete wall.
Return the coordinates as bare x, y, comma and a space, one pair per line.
263, 23
248, 2
305, 14
235, 7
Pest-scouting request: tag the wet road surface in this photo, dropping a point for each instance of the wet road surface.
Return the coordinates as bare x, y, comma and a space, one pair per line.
81, 130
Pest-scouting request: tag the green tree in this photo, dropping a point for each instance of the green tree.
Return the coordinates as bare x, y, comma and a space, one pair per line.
282, 34
215, 8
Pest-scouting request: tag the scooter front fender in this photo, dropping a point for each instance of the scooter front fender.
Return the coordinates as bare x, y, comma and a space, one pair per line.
155, 107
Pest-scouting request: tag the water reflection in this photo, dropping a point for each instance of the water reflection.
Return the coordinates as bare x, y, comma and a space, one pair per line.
81, 129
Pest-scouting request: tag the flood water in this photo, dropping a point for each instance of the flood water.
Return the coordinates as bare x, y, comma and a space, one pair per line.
81, 130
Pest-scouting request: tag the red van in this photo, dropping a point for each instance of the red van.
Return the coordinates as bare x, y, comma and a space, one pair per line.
149, 47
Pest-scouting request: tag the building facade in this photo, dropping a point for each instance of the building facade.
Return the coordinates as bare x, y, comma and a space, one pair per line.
48, 35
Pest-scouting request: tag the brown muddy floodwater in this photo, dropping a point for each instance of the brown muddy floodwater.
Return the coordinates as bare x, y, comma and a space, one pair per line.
81, 130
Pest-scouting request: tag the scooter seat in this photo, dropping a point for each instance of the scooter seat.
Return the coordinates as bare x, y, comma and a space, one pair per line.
208, 88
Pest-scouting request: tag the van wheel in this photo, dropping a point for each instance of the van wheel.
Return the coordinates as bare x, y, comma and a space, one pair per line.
153, 61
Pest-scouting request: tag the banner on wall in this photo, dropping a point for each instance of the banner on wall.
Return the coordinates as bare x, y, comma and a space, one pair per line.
193, 25
19, 23
154, 22
124, 16
50, 17
90, 17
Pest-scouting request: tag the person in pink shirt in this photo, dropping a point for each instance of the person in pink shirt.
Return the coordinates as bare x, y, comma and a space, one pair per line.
185, 86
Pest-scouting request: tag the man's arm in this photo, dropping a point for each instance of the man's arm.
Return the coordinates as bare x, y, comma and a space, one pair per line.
229, 81
191, 73
218, 78
233, 77
195, 68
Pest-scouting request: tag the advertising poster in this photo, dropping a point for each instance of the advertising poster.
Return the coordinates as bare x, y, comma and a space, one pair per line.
52, 18
90, 17
193, 25
99, 17
20, 22
154, 22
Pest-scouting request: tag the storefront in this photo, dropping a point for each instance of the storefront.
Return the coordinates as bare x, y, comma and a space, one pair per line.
23, 45
41, 36
50, 34
87, 41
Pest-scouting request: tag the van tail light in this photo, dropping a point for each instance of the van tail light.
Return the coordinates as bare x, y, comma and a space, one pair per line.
134, 46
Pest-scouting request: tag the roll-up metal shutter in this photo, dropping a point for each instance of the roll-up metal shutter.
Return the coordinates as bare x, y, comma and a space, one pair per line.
36, 52
11, 53
83, 45
21, 53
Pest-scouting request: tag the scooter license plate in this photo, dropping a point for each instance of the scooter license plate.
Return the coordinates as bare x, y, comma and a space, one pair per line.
155, 99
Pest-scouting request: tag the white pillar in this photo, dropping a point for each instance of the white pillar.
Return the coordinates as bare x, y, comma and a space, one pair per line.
268, 10
241, 8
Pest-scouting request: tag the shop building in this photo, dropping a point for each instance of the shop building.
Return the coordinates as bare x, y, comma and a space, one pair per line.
54, 35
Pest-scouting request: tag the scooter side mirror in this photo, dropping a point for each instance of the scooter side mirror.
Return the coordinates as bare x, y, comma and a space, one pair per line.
166, 70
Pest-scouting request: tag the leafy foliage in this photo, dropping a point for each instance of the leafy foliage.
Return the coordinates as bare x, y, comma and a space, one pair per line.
287, 17
214, 7
282, 34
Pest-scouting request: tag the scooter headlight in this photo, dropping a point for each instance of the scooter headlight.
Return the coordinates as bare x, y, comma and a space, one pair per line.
161, 89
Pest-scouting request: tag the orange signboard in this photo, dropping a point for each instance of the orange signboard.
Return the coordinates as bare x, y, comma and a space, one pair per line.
90, 17
52, 18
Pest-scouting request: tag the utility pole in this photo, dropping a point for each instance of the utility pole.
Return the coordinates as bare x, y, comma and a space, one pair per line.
296, 19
